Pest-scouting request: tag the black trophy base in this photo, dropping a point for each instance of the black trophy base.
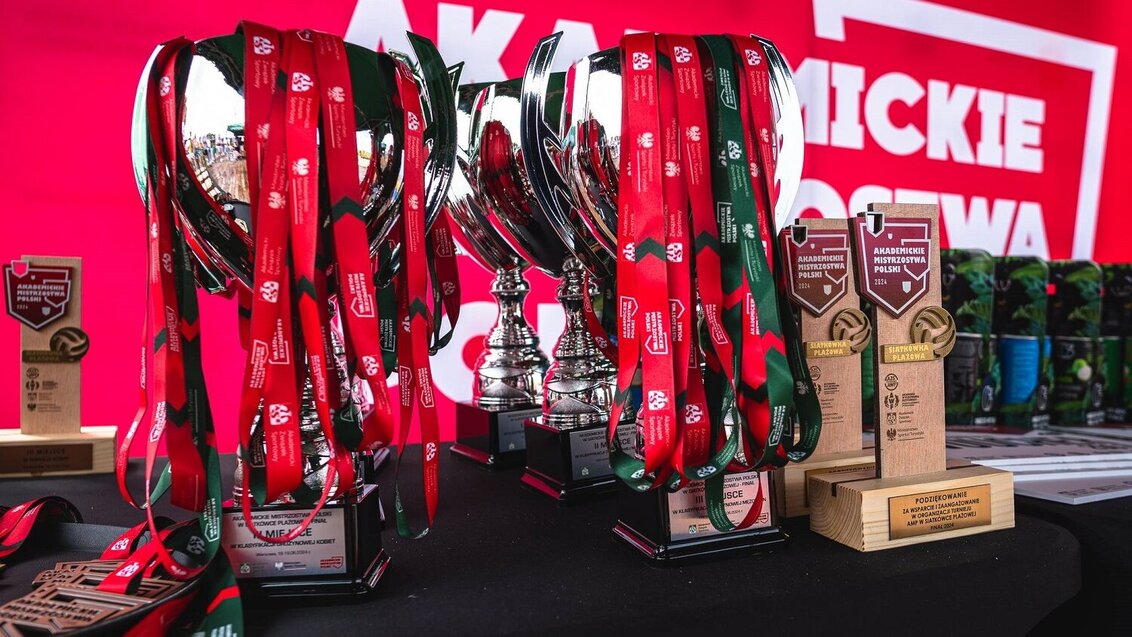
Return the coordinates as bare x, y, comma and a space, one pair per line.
492, 437
568, 465
378, 461
667, 531
338, 558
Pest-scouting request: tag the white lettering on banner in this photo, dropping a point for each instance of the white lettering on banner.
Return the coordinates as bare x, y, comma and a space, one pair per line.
1000, 226
1012, 38
948, 137
457, 34
379, 24
1009, 129
578, 40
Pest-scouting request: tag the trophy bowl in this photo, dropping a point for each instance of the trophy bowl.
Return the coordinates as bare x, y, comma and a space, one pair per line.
574, 151
509, 371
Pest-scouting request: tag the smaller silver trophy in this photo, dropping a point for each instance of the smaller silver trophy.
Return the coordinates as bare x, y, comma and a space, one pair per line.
509, 371
566, 453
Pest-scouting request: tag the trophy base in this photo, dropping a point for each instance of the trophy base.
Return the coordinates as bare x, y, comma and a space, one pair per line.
492, 437
793, 479
568, 465
377, 462
338, 558
87, 451
868, 513
672, 529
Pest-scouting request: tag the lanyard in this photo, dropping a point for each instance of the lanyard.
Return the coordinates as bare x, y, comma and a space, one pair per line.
414, 370
764, 387
17, 523
445, 273
762, 124
357, 297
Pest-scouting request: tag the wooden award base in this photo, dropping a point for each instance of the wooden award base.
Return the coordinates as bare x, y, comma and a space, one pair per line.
91, 450
793, 479
868, 513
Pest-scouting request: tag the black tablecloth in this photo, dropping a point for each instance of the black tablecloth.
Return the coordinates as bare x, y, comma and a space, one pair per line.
503, 559
1104, 530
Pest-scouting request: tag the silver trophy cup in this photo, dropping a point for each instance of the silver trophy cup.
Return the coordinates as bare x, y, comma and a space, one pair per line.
509, 372
213, 201
578, 182
566, 458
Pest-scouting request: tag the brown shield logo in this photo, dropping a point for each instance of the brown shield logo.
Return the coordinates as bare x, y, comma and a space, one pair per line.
894, 259
36, 294
817, 265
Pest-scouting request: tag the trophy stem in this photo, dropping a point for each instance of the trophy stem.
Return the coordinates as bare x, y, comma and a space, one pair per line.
510, 369
581, 382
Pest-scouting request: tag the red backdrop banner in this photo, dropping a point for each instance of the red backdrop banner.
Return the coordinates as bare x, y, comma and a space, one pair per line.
1009, 114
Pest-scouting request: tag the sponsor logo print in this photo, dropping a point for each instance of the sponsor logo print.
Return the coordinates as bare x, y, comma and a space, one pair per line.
279, 414
301, 82
262, 46
369, 363
675, 252
693, 413
269, 291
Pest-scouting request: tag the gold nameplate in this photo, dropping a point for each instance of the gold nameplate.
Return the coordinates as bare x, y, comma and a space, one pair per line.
908, 353
939, 511
46, 458
827, 349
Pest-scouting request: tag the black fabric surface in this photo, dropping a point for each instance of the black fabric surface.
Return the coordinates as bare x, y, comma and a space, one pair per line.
1104, 530
503, 559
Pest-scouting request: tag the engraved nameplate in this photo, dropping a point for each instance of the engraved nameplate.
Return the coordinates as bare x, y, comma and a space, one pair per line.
939, 511
509, 427
320, 550
687, 511
46, 458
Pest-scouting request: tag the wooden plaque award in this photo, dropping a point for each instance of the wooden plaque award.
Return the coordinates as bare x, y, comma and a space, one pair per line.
45, 295
820, 283
912, 495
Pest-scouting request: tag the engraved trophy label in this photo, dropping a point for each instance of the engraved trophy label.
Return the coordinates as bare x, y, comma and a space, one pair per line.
510, 428
939, 511
687, 511
319, 550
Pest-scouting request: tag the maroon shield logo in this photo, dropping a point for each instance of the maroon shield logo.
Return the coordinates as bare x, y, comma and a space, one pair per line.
817, 266
893, 259
36, 294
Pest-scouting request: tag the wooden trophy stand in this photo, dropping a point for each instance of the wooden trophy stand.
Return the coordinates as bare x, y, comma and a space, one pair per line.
45, 295
820, 283
912, 496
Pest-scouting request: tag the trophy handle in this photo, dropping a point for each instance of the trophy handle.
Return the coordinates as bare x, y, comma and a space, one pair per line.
438, 104
139, 131
788, 110
537, 139
440, 121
